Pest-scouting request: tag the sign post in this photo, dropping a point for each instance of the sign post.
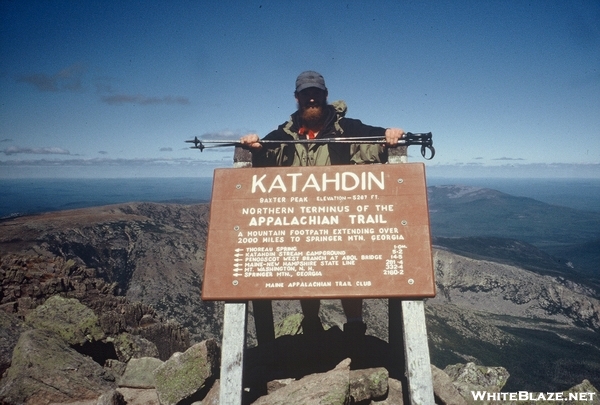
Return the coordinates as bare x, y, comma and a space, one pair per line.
408, 332
235, 317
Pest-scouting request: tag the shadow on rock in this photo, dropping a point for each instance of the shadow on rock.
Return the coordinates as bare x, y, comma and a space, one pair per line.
295, 356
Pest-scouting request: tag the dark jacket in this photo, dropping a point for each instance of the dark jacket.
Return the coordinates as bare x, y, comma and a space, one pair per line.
312, 154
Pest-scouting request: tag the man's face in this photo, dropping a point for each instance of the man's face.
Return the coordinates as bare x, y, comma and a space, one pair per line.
311, 103
311, 97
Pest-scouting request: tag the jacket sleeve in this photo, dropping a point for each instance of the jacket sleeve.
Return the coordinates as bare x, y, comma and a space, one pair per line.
274, 154
364, 153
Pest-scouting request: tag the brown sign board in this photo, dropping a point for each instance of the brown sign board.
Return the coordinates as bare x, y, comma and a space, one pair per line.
358, 231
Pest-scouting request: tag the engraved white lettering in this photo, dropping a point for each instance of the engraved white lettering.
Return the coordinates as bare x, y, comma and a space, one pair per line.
293, 182
291, 221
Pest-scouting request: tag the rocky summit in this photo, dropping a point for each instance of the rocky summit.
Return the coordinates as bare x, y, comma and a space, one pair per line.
102, 306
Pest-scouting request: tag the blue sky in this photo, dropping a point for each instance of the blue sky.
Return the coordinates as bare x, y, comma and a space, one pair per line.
114, 88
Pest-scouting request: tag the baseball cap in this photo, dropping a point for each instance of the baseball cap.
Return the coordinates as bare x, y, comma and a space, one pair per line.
308, 79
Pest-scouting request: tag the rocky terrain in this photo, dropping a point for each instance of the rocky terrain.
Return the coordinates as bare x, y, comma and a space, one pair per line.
138, 269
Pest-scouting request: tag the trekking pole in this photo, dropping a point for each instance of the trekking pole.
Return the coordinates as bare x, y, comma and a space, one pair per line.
424, 139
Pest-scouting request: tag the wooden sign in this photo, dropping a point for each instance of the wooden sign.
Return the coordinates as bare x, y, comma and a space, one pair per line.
358, 231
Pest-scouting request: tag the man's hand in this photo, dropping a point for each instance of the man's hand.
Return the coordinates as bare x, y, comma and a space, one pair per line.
393, 135
251, 141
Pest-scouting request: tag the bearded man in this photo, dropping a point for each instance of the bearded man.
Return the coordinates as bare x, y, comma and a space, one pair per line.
317, 119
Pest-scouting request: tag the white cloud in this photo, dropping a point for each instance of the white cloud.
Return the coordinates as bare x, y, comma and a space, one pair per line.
508, 158
13, 150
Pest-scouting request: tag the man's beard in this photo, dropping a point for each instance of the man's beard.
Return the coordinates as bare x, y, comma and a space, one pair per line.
313, 115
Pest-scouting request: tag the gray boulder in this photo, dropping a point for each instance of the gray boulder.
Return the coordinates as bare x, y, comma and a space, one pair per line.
274, 385
186, 375
471, 377
140, 373
74, 322
290, 325
11, 328
588, 392
331, 388
116, 367
45, 369
138, 396
444, 390
128, 346
395, 394
212, 398
112, 397
370, 383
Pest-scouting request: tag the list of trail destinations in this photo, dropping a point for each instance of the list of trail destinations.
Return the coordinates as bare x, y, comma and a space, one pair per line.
319, 232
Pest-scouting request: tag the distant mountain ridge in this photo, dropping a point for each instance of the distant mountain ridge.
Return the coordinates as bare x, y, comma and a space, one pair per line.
458, 211
570, 236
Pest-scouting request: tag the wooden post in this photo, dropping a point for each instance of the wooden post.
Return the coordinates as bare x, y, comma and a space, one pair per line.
408, 332
234, 329
416, 354
232, 353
